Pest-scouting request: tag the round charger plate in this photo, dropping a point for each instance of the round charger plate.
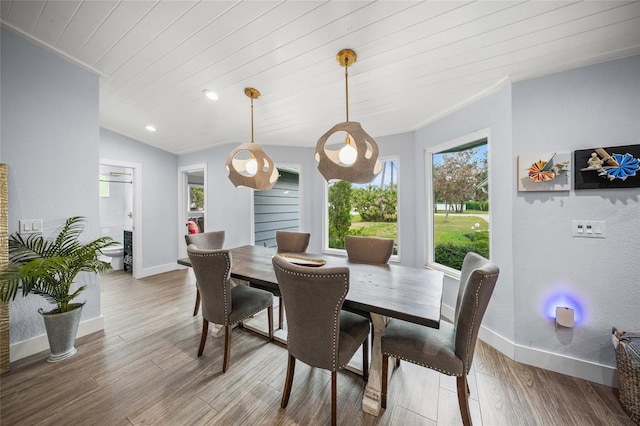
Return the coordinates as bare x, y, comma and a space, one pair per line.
301, 260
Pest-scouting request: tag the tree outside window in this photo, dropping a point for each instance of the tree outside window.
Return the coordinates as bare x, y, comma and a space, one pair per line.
364, 209
460, 203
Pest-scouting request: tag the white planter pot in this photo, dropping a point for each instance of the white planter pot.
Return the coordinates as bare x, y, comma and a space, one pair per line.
62, 329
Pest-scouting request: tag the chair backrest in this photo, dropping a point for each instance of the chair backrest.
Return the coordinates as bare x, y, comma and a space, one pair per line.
368, 249
206, 240
477, 281
212, 269
292, 242
314, 298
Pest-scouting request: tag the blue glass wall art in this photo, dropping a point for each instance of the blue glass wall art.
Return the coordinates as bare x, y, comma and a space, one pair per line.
607, 167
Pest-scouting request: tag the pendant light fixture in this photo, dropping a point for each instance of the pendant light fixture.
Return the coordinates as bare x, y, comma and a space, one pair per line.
357, 160
248, 165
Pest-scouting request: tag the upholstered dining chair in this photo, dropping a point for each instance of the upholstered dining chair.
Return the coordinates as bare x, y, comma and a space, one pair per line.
290, 242
450, 348
223, 303
320, 333
372, 250
206, 241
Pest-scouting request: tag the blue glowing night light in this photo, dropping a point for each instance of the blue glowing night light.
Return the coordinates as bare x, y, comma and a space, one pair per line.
562, 299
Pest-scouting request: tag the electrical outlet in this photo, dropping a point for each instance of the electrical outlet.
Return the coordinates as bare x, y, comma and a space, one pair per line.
589, 229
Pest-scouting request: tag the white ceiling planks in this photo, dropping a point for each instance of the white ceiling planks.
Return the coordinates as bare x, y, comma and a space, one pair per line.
416, 60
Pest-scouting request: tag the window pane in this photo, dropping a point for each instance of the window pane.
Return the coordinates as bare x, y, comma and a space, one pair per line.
196, 198
104, 185
460, 203
364, 209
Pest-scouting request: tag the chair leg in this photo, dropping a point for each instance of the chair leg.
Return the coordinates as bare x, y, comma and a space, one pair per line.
334, 397
291, 366
463, 399
227, 348
365, 359
280, 313
385, 372
196, 308
203, 338
270, 319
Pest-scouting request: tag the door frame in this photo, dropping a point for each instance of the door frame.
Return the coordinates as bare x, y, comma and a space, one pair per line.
183, 196
136, 168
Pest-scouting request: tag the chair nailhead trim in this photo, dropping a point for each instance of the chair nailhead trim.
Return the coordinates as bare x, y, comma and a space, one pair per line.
448, 373
336, 311
224, 284
467, 361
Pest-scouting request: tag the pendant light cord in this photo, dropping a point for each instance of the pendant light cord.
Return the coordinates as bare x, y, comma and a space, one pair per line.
252, 120
346, 85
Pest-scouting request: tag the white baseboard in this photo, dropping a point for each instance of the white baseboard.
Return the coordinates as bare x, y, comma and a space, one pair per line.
581, 369
161, 269
40, 343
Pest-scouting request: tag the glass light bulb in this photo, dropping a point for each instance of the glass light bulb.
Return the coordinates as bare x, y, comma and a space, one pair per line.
348, 154
252, 166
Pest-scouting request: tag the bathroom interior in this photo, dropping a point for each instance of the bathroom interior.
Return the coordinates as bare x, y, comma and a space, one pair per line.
116, 210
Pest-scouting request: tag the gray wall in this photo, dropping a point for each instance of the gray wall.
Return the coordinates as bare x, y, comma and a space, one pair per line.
493, 113
49, 111
586, 108
159, 197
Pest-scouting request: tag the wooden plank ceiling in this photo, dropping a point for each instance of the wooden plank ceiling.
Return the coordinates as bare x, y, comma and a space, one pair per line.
416, 60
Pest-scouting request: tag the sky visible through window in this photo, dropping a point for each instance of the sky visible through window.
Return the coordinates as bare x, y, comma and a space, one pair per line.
392, 172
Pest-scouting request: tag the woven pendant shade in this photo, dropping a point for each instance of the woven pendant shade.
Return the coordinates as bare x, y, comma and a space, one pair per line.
265, 176
248, 165
363, 170
357, 160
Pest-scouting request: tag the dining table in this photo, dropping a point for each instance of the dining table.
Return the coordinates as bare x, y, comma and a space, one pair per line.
383, 291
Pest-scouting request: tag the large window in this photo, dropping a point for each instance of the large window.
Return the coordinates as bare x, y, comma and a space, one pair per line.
459, 202
364, 209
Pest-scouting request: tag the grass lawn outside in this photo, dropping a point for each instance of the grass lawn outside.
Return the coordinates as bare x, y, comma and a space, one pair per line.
454, 229
450, 231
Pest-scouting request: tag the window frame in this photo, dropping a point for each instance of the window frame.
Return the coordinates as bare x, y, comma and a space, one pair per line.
430, 201
325, 225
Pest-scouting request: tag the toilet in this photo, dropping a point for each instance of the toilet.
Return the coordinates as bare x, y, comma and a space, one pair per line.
115, 254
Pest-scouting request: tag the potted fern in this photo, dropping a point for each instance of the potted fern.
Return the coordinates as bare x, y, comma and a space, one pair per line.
49, 268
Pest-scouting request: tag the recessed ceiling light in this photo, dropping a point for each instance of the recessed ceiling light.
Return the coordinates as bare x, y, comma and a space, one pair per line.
150, 127
210, 94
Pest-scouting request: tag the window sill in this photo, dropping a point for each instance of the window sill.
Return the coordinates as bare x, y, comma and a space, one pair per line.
449, 272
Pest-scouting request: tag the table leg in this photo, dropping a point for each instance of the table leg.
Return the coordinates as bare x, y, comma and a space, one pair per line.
216, 330
373, 389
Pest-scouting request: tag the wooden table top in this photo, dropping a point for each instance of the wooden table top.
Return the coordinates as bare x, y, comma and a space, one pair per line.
410, 294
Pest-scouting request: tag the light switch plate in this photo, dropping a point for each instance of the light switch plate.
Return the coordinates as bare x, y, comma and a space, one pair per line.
30, 226
588, 229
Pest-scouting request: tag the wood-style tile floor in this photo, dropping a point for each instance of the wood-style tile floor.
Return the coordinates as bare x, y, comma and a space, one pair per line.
143, 369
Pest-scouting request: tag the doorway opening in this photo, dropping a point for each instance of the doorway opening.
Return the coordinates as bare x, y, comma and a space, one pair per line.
192, 202
121, 213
